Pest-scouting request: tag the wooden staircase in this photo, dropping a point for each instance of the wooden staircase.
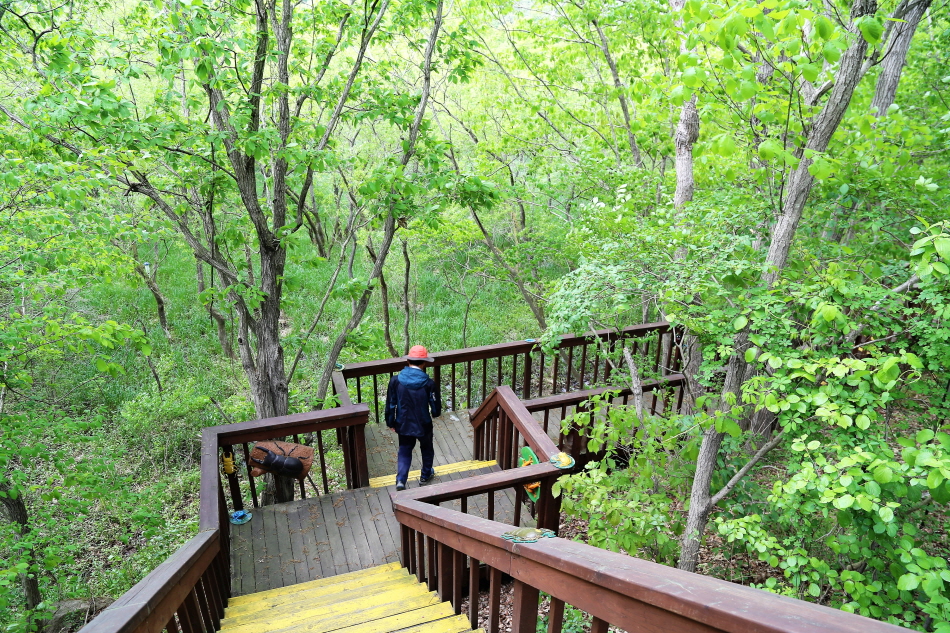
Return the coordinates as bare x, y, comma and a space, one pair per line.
381, 599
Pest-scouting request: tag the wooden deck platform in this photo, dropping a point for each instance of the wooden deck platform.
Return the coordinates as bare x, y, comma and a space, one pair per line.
324, 536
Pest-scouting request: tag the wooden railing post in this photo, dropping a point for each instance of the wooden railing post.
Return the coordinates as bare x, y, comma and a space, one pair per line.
525, 616
359, 449
233, 486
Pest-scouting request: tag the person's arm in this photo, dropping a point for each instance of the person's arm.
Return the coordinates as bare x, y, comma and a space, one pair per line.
391, 404
435, 402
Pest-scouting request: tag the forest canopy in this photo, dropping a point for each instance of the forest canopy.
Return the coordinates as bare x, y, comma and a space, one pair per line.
207, 205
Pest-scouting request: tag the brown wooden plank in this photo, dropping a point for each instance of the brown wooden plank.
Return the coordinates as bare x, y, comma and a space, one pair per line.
296, 528
317, 545
387, 540
287, 567
360, 521
347, 543
273, 537
256, 572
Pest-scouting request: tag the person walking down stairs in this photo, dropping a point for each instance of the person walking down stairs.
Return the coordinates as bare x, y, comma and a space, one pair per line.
412, 400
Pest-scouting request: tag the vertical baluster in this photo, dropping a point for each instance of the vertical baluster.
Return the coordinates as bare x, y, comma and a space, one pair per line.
679, 399
420, 556
519, 500
570, 369
464, 504
376, 398
484, 379
359, 390
525, 616
504, 451
468, 384
188, 616
455, 404
583, 364
303, 492
541, 375
557, 359
445, 572
598, 626
172, 626
494, 600
458, 576
250, 480
233, 485
203, 607
432, 557
596, 361
216, 605
406, 554
610, 352
437, 371
526, 388
491, 505
514, 372
659, 350
556, 616
323, 463
499, 382
473, 593
669, 355
547, 414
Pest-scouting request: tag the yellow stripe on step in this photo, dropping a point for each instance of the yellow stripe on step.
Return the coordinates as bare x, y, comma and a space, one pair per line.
458, 467
372, 610
456, 624
299, 618
401, 621
289, 603
313, 584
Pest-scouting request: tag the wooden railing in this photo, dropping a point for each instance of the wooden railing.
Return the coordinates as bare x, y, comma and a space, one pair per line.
466, 376
454, 552
189, 591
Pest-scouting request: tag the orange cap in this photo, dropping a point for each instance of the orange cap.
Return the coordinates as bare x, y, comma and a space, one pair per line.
418, 352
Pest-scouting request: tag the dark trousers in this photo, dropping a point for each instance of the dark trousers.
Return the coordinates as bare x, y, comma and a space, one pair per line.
406, 444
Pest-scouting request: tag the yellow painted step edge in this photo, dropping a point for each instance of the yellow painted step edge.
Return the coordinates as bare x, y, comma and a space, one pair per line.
401, 620
454, 624
400, 605
275, 620
312, 584
457, 467
366, 583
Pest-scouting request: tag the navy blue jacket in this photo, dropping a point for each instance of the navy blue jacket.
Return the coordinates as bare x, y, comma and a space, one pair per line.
411, 396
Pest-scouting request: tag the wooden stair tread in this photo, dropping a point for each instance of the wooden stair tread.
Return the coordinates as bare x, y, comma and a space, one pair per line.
383, 599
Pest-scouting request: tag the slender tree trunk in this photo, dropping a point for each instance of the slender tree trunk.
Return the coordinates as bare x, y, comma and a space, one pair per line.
405, 296
220, 322
618, 85
384, 299
159, 298
896, 57
16, 512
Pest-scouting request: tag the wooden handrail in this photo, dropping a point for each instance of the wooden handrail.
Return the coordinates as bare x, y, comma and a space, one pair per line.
307, 422
152, 602
577, 397
529, 428
477, 417
630, 593
342, 392
386, 365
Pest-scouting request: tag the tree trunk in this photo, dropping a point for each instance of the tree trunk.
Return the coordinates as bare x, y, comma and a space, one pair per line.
824, 125
618, 85
893, 63
160, 300
405, 296
220, 322
687, 132
16, 512
384, 299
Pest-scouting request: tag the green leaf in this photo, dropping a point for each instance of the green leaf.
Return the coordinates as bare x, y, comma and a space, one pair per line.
883, 474
942, 246
843, 502
871, 28
769, 149
908, 582
886, 514
740, 323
